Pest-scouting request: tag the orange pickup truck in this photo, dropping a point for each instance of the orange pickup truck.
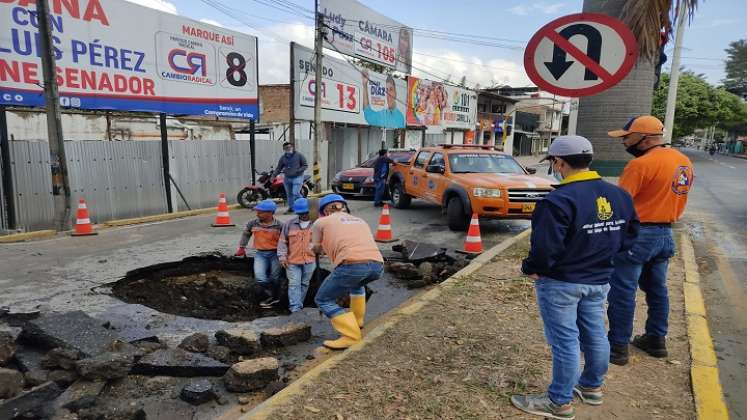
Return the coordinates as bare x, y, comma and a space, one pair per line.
466, 179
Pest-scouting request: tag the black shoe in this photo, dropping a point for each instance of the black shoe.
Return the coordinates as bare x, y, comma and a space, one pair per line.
653, 345
619, 354
378, 204
269, 302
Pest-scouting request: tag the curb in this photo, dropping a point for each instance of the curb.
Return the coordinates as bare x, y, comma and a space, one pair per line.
25, 236
161, 217
410, 307
709, 397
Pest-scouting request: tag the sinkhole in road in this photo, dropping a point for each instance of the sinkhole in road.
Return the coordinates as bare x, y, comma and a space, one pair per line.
206, 287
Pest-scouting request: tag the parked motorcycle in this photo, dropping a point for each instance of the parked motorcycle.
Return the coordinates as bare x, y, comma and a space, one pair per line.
266, 187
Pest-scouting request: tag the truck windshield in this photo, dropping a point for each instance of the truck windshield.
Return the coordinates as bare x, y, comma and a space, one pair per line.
483, 163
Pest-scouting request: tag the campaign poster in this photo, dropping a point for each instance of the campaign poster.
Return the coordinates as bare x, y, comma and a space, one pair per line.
439, 106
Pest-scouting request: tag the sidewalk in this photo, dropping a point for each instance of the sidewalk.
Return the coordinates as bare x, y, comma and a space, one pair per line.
464, 353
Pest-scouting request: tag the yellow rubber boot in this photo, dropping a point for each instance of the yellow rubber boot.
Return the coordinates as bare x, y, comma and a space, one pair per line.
358, 307
350, 333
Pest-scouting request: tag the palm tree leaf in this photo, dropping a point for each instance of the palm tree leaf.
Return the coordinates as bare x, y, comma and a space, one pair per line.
648, 18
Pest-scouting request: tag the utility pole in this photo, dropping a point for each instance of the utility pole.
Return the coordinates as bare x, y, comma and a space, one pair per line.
318, 128
58, 162
674, 77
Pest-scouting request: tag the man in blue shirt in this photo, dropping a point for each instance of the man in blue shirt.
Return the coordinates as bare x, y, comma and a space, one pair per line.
576, 232
293, 166
381, 173
391, 117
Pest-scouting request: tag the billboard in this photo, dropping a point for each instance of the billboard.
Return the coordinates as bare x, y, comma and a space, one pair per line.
116, 55
361, 32
439, 106
349, 94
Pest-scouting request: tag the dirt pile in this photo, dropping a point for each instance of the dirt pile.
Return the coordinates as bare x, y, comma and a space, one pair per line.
419, 264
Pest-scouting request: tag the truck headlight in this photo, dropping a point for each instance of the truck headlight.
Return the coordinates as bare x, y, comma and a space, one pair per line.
487, 192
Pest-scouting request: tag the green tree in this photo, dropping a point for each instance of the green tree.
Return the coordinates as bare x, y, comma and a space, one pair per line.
699, 104
736, 68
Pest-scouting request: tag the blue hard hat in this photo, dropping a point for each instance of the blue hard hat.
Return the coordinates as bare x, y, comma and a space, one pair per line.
329, 199
301, 206
266, 205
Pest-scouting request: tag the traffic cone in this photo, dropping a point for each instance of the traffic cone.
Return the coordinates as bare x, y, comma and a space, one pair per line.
222, 219
473, 242
384, 231
83, 226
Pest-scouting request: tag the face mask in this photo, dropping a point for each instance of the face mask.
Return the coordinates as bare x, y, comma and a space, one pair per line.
555, 174
635, 151
304, 224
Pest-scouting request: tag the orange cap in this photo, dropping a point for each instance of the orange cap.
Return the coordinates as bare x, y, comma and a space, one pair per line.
646, 124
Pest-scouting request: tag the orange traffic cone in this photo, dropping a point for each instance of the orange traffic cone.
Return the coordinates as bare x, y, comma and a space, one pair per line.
473, 242
222, 219
83, 226
384, 231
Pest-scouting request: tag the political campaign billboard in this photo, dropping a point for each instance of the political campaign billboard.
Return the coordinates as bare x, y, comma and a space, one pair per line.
440, 106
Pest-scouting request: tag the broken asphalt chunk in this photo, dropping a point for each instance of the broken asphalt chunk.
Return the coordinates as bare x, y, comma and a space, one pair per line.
109, 365
251, 375
71, 330
34, 402
419, 251
198, 392
177, 362
286, 335
11, 383
244, 342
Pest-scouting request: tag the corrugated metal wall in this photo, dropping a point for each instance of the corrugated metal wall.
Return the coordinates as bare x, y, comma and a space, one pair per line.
119, 180
32, 184
3, 213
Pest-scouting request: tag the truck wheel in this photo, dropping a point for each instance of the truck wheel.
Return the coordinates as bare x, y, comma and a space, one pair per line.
400, 198
455, 213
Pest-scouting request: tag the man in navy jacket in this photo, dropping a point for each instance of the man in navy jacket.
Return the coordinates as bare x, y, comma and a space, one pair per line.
576, 232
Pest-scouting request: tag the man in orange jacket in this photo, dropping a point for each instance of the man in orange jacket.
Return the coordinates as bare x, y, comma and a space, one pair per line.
659, 180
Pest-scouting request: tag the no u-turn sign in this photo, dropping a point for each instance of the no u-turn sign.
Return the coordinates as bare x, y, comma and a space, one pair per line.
580, 55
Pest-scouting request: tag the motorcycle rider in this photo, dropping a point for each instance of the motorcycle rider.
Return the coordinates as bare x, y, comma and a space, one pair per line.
264, 231
348, 242
295, 254
293, 166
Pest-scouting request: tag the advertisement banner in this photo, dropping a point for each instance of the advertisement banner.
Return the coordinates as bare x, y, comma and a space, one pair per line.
439, 106
356, 30
349, 94
116, 55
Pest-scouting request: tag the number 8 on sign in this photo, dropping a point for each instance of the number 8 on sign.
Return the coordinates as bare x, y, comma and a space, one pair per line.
234, 68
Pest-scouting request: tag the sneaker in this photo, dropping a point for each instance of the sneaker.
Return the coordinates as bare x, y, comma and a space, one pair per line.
619, 354
542, 405
269, 302
653, 345
591, 396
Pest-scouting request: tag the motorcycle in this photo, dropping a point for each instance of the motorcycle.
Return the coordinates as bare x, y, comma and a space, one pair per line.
268, 187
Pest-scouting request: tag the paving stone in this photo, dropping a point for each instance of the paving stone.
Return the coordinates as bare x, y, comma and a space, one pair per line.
177, 362
61, 358
245, 342
196, 343
63, 378
11, 383
34, 402
28, 358
251, 375
7, 347
222, 354
71, 330
198, 392
286, 335
36, 377
109, 365
81, 394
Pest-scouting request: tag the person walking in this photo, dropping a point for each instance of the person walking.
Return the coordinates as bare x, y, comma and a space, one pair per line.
357, 261
293, 166
295, 254
381, 173
576, 231
264, 231
659, 180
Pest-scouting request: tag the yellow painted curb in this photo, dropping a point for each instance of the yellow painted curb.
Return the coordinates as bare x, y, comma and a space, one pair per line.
709, 397
25, 236
410, 307
162, 217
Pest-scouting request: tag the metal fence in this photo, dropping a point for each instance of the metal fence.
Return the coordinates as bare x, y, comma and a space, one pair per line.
125, 179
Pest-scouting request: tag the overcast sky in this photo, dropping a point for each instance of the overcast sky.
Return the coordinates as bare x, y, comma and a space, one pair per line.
504, 27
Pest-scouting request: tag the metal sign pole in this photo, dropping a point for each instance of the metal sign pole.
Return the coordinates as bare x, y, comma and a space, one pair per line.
252, 151
165, 159
318, 128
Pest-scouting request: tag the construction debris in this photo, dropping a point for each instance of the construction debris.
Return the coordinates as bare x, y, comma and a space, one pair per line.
251, 375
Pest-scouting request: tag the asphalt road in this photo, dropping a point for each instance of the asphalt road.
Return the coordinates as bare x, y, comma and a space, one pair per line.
717, 219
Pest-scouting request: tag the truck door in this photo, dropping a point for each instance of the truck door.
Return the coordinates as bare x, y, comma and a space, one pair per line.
436, 180
417, 177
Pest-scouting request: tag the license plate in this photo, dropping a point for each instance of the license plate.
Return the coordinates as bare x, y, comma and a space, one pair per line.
348, 186
527, 208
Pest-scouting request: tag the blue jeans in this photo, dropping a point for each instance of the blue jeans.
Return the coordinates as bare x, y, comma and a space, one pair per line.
267, 271
293, 189
379, 191
645, 266
299, 276
573, 315
345, 280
